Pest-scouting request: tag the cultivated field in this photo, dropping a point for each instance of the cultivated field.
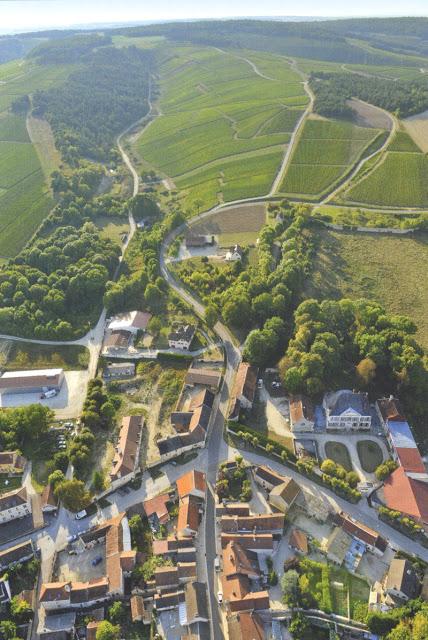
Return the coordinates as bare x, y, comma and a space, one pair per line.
224, 124
24, 193
417, 127
326, 150
389, 269
406, 176
233, 220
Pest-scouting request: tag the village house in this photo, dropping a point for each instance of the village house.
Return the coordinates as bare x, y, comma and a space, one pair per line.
401, 582
337, 545
259, 543
406, 489
12, 463
258, 523
189, 516
181, 337
298, 541
140, 611
14, 504
244, 390
283, 496
17, 554
49, 499
120, 561
240, 579
195, 241
246, 625
156, 510
34, 381
126, 459
347, 411
372, 540
267, 477
131, 322
114, 370
203, 377
301, 414
234, 254
116, 341
194, 609
192, 484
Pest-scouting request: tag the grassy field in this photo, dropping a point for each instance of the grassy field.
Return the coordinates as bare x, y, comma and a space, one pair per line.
325, 152
384, 268
112, 228
26, 355
370, 455
223, 128
25, 197
359, 217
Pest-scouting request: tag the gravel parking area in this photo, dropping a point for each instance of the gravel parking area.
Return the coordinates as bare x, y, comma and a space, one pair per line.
67, 404
79, 567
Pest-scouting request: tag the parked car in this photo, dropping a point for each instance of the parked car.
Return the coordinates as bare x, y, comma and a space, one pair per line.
72, 552
96, 561
81, 515
48, 394
217, 563
260, 384
220, 597
72, 538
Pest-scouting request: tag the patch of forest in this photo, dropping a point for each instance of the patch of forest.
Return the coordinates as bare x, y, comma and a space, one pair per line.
90, 109
333, 90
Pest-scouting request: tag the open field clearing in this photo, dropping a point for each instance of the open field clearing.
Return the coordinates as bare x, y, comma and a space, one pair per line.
394, 73
229, 223
43, 140
112, 228
367, 115
215, 107
17, 161
326, 150
403, 142
388, 269
417, 127
406, 177
145, 42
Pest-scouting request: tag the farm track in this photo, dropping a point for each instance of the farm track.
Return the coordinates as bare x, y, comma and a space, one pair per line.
346, 182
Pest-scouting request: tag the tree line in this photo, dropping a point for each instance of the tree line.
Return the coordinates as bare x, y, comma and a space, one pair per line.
333, 90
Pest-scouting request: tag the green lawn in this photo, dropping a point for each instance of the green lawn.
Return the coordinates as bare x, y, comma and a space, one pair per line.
338, 452
370, 455
112, 228
326, 150
223, 128
388, 269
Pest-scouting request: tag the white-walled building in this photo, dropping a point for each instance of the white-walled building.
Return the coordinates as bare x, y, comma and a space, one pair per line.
347, 411
14, 504
33, 381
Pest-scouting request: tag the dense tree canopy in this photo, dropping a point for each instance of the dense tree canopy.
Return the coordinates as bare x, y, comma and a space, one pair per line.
47, 288
95, 103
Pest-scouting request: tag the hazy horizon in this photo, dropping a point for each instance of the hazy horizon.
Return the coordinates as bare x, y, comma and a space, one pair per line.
17, 16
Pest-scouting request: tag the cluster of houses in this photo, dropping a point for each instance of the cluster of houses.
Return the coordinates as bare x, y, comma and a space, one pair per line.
190, 424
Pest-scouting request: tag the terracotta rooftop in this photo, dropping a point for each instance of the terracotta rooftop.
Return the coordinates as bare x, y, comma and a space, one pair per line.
166, 577
188, 515
301, 408
137, 608
406, 495
236, 560
191, 481
255, 523
126, 456
246, 625
360, 531
91, 629
233, 509
390, 409
158, 506
31, 378
410, 459
118, 339
298, 540
246, 382
52, 591
248, 540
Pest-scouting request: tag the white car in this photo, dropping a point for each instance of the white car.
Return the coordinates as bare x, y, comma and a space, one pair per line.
81, 515
220, 597
217, 563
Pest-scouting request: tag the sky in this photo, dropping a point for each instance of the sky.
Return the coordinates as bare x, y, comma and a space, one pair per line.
28, 15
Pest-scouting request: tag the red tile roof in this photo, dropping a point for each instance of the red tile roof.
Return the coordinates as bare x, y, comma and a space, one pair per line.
193, 480
298, 540
406, 495
301, 407
410, 459
260, 522
188, 515
246, 625
246, 382
249, 540
126, 456
158, 506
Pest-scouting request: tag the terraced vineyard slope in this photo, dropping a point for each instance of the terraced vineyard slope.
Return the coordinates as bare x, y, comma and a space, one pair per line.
226, 120
326, 152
